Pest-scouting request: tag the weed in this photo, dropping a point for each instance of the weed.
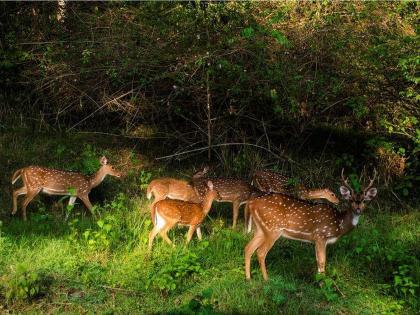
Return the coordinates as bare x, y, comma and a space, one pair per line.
144, 179
22, 283
328, 285
403, 284
103, 235
279, 290
201, 304
170, 276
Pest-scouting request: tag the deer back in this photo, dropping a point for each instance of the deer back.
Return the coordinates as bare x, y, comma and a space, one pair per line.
54, 181
270, 181
278, 213
227, 189
173, 189
182, 212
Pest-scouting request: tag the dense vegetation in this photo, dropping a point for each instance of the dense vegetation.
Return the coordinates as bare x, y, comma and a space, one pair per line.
162, 88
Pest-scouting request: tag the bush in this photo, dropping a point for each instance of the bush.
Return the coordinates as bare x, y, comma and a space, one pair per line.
23, 284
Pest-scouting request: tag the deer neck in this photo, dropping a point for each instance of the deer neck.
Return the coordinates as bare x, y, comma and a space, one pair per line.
311, 194
348, 221
207, 202
97, 178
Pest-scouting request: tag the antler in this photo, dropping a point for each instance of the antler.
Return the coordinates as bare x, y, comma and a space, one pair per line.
346, 182
371, 181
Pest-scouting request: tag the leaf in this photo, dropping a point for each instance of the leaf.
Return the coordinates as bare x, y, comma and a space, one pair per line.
248, 32
280, 38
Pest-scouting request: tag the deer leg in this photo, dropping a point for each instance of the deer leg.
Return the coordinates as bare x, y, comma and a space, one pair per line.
198, 230
86, 201
262, 254
164, 233
16, 193
321, 254
249, 251
236, 205
152, 235
190, 233
28, 198
72, 200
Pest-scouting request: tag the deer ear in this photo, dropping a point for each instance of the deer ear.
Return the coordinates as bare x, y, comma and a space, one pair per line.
345, 192
205, 169
371, 193
103, 160
210, 185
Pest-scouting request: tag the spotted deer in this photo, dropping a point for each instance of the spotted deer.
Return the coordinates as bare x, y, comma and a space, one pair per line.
235, 191
170, 212
38, 179
162, 188
269, 181
277, 215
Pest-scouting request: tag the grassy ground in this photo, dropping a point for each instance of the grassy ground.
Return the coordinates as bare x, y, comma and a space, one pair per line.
87, 265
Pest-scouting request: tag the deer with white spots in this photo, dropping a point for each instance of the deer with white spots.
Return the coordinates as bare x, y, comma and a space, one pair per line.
171, 188
169, 212
38, 179
277, 215
273, 182
235, 191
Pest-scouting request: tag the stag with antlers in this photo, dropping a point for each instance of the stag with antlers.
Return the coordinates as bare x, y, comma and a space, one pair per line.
279, 215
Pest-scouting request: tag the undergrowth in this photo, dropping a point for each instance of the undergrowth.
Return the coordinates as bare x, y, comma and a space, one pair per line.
86, 264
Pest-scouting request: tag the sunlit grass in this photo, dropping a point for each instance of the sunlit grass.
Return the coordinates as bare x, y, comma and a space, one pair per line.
122, 277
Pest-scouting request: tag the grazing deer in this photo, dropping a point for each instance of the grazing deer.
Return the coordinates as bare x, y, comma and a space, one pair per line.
277, 215
169, 212
268, 181
171, 188
57, 182
235, 191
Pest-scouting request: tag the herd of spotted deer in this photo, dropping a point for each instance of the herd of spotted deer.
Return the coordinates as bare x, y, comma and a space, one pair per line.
269, 205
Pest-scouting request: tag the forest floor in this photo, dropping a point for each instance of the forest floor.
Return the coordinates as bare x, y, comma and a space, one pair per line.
87, 265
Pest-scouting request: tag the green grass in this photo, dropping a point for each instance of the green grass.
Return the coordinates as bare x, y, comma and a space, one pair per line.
110, 272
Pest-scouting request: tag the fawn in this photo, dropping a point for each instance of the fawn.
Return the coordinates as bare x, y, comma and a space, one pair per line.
235, 191
169, 212
171, 188
38, 179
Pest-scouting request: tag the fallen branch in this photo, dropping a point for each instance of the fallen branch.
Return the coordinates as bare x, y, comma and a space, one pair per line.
225, 145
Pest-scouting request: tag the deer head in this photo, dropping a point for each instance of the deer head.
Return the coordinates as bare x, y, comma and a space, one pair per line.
201, 174
108, 169
357, 200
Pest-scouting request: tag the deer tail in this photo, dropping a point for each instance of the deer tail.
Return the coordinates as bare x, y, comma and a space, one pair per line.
153, 213
249, 227
16, 175
149, 191
247, 218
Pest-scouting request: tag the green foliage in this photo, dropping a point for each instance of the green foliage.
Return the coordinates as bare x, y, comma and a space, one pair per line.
169, 277
88, 161
202, 304
22, 284
403, 284
103, 235
145, 178
279, 290
328, 285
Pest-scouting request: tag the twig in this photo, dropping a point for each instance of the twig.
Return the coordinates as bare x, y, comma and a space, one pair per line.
333, 104
122, 290
338, 290
119, 135
225, 145
99, 108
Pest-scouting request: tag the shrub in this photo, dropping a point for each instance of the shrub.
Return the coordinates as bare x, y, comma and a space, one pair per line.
23, 284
